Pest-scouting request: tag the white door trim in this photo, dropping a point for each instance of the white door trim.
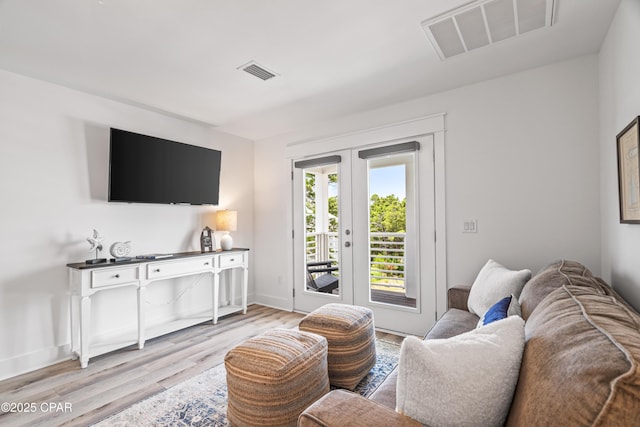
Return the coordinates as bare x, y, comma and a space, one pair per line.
371, 136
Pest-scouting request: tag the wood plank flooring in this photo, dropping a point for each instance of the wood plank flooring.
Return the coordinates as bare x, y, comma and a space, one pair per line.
121, 378
116, 380
395, 298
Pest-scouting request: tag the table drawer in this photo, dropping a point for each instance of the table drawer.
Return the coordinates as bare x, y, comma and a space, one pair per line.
113, 276
177, 268
231, 260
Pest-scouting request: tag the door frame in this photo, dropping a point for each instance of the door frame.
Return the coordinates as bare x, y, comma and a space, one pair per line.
431, 124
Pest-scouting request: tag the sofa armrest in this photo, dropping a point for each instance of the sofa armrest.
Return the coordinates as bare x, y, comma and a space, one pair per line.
342, 408
457, 297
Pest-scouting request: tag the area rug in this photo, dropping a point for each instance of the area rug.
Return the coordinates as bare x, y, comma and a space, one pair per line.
202, 400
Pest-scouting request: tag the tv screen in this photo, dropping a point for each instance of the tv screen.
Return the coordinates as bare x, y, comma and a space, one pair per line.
144, 169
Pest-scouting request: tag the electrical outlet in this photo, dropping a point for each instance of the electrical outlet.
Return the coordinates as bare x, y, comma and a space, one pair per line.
470, 226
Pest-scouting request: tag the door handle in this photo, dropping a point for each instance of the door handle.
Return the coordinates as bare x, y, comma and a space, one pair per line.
347, 244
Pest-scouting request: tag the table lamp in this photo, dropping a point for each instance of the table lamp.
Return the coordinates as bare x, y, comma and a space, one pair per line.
226, 221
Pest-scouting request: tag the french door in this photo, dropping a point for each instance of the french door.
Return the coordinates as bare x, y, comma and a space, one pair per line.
322, 243
364, 232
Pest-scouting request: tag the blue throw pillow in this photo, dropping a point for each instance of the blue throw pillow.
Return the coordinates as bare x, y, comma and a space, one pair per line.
498, 311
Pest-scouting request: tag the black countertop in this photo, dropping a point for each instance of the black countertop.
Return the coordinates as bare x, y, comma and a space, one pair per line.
179, 255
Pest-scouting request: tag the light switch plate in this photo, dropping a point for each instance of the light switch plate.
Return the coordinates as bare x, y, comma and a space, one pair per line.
470, 226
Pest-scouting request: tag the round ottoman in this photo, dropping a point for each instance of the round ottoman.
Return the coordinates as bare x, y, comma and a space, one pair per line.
273, 377
350, 332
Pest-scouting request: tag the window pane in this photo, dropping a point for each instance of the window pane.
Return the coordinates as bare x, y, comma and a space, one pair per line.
391, 201
321, 229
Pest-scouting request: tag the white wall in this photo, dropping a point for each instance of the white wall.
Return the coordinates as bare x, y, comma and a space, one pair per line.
54, 145
619, 68
272, 242
521, 158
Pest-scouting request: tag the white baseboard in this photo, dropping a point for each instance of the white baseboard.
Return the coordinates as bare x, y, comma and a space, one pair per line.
27, 362
274, 302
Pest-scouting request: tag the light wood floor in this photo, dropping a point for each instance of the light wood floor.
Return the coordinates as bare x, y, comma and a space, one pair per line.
116, 380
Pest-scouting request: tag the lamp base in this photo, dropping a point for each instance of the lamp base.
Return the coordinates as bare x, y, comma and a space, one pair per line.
226, 242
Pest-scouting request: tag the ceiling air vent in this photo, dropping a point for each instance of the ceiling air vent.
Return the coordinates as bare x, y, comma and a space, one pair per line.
484, 22
257, 70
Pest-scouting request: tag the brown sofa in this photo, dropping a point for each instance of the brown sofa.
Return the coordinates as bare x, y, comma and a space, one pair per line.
580, 365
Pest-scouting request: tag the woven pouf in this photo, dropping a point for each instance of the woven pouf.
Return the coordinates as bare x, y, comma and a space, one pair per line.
350, 333
273, 377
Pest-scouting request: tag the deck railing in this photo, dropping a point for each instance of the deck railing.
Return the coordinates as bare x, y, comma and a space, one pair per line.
387, 259
322, 247
386, 255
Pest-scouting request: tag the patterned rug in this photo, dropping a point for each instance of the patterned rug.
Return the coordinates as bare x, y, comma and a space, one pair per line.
202, 400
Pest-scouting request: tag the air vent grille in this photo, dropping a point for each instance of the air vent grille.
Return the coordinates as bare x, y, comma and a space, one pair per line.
257, 70
484, 22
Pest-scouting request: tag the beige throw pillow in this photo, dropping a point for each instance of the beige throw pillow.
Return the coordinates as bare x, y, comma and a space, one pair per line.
466, 380
493, 283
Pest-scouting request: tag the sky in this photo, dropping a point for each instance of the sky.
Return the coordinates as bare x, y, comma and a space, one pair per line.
387, 180
383, 181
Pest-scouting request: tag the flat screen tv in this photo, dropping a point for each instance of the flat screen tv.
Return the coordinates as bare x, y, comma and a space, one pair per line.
145, 169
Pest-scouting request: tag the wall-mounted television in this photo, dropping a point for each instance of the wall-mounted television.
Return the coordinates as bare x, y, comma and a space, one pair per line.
145, 169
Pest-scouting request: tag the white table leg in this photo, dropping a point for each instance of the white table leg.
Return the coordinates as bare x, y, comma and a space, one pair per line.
72, 327
216, 292
85, 324
245, 288
232, 286
142, 291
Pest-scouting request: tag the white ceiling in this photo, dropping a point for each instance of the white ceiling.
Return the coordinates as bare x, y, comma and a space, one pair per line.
333, 57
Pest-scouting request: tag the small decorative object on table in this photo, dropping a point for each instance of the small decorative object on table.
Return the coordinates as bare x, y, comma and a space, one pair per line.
96, 245
207, 240
226, 221
120, 251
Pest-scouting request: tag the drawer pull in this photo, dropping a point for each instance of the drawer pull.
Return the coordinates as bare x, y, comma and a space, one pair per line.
232, 260
157, 270
206, 263
117, 276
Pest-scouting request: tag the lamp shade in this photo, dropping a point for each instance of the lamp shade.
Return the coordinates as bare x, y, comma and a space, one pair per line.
226, 220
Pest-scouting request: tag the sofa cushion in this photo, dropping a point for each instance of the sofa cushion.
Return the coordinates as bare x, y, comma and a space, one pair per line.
494, 282
343, 408
457, 297
464, 380
385, 394
547, 280
453, 322
581, 361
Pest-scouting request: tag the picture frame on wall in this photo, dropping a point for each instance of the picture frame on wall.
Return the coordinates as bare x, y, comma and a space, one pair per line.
629, 172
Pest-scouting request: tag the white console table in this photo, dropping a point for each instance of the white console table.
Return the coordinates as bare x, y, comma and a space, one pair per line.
87, 279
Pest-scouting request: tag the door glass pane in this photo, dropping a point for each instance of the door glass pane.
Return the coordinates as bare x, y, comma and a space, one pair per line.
321, 229
392, 230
